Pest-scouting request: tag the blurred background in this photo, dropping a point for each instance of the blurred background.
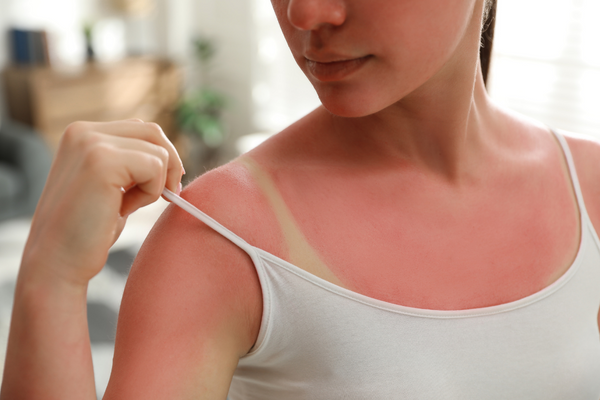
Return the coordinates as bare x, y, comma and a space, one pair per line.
218, 77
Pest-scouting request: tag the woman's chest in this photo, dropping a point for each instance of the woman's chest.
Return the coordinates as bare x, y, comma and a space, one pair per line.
433, 246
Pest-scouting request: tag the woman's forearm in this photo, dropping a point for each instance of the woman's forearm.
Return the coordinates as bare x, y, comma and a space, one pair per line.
49, 353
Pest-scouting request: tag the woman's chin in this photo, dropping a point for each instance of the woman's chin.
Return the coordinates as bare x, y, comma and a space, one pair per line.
354, 101
349, 108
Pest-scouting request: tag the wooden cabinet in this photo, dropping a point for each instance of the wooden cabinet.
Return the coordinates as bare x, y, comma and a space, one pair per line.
49, 99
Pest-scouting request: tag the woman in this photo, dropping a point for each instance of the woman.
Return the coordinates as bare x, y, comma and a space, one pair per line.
408, 239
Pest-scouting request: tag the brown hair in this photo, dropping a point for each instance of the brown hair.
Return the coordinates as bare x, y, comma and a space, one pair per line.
487, 37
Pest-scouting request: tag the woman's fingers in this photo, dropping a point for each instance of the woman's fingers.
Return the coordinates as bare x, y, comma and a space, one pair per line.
137, 166
149, 132
102, 172
129, 134
126, 143
148, 172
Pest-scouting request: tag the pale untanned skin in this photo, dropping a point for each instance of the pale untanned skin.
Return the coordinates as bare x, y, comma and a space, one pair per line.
420, 192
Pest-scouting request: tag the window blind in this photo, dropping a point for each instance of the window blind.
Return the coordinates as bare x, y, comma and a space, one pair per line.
546, 62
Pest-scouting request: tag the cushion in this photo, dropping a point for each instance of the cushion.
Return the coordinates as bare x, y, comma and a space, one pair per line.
12, 183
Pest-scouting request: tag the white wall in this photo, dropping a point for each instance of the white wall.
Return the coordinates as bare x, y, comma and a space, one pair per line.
230, 23
281, 92
63, 19
546, 62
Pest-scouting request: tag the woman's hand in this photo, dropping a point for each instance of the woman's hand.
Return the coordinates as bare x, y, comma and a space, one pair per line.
102, 172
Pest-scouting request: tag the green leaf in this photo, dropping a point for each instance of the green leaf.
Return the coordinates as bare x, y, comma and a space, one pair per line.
204, 48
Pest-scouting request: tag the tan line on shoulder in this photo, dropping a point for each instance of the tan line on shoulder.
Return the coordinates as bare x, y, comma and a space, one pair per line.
301, 253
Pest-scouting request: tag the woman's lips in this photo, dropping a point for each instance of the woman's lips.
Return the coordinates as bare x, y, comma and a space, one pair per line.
336, 70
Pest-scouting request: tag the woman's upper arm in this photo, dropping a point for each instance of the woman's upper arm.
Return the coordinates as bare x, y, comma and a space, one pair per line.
192, 306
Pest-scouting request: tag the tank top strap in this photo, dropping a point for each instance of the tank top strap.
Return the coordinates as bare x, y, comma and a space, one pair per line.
193, 211
572, 171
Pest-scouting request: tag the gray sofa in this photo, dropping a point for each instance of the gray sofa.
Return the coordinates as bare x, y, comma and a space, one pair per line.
24, 165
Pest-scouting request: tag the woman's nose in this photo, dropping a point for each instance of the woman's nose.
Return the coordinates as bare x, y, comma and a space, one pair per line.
312, 14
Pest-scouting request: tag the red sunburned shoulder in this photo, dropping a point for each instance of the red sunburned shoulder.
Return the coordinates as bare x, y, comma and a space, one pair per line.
193, 302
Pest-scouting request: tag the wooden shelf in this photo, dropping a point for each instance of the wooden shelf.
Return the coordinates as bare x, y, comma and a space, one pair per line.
50, 99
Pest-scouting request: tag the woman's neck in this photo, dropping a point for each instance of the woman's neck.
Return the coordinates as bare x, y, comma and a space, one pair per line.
443, 128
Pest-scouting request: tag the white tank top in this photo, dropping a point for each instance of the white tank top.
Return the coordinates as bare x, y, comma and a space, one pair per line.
320, 341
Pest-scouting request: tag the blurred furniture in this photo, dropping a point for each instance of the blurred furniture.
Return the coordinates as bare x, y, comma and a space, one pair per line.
49, 99
24, 165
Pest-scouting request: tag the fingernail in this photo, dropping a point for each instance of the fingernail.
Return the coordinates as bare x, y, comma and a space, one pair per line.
183, 169
179, 189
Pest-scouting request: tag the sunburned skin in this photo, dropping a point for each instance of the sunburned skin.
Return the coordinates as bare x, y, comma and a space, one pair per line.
392, 232
349, 226
188, 284
420, 193
299, 252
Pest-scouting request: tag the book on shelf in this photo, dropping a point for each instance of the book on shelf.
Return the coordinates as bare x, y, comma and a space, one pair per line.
29, 47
